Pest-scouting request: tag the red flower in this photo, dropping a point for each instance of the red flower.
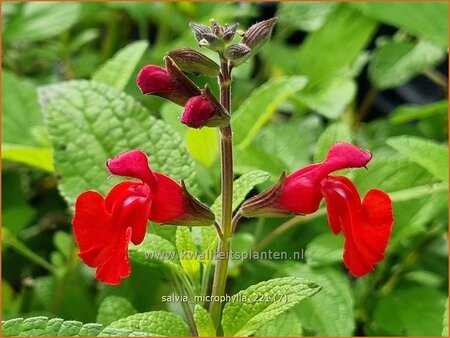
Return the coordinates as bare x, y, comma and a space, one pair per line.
103, 227
197, 112
366, 226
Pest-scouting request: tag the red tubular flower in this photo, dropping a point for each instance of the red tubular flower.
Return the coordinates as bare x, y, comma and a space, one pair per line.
365, 225
197, 111
103, 227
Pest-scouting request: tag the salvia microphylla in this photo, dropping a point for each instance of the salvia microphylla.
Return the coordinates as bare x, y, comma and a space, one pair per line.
104, 225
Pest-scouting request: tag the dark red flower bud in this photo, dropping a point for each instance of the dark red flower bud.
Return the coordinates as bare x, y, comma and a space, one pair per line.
169, 83
153, 79
197, 111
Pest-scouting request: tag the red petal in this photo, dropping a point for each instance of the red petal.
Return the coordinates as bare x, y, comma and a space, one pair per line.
101, 245
377, 217
129, 203
154, 79
133, 163
301, 192
90, 226
366, 226
133, 214
118, 193
168, 201
346, 155
117, 265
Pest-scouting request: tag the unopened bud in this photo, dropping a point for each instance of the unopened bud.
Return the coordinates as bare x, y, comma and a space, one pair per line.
216, 28
236, 52
189, 60
197, 111
199, 30
154, 79
204, 110
258, 34
229, 32
221, 116
211, 41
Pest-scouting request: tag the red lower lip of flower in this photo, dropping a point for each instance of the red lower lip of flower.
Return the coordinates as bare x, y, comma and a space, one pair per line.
101, 246
365, 225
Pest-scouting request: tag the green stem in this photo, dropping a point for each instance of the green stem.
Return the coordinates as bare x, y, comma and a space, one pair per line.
289, 224
226, 155
437, 78
63, 282
186, 307
9, 240
205, 278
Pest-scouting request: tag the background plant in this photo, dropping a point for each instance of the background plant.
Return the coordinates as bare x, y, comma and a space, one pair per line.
361, 60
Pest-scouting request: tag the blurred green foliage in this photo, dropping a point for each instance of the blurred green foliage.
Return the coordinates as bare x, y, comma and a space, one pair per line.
313, 84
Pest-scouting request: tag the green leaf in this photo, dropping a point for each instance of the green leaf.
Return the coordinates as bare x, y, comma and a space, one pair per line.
395, 63
445, 321
203, 145
117, 71
416, 196
399, 313
154, 323
20, 110
80, 113
116, 332
292, 142
306, 16
392, 174
204, 323
241, 187
408, 112
43, 326
253, 157
242, 243
258, 108
325, 249
157, 253
331, 97
41, 20
425, 19
285, 325
63, 242
336, 132
16, 212
41, 158
429, 155
187, 253
263, 302
327, 51
113, 308
329, 313
206, 236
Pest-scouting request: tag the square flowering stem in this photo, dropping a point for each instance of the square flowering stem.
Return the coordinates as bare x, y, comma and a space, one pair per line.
226, 154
